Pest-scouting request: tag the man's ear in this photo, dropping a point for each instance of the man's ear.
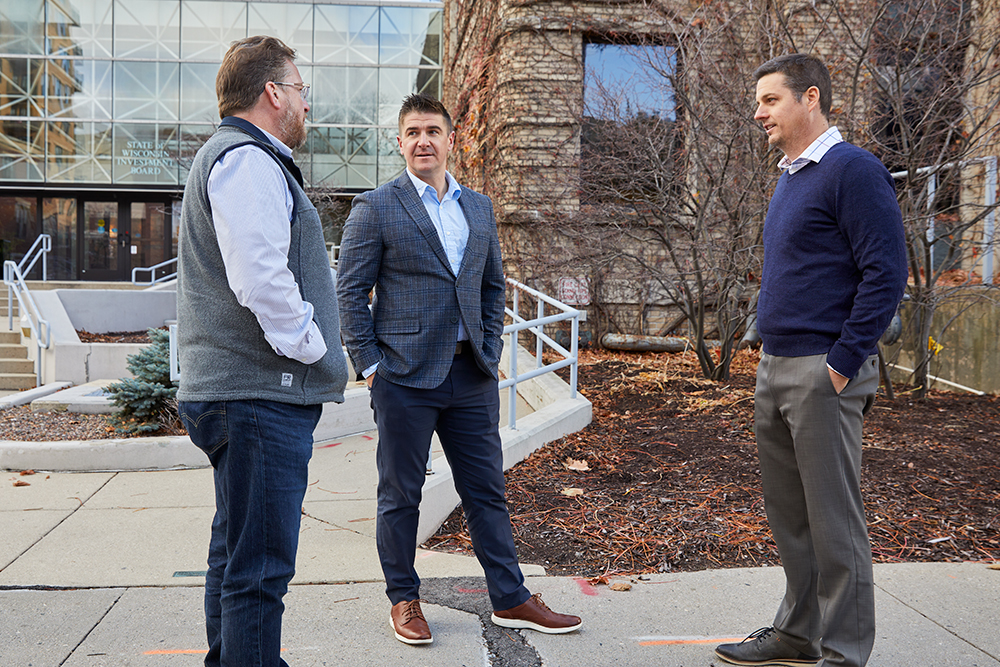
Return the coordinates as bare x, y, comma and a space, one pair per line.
271, 95
812, 97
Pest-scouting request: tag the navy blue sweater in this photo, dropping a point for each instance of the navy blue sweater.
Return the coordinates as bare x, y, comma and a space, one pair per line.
834, 260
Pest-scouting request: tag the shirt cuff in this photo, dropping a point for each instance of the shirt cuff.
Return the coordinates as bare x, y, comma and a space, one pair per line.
367, 373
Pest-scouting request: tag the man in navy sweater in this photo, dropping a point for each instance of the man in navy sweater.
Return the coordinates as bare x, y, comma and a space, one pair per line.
834, 272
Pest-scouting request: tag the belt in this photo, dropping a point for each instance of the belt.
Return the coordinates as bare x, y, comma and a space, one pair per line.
462, 347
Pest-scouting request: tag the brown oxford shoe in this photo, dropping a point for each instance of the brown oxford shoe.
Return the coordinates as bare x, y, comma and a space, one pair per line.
408, 623
535, 615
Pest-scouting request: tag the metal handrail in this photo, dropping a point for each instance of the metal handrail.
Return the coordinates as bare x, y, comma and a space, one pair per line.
13, 278
989, 202
43, 244
536, 326
152, 273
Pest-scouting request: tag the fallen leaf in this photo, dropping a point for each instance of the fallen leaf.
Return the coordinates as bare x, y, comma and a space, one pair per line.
21, 482
993, 566
597, 581
27, 472
572, 491
579, 466
620, 586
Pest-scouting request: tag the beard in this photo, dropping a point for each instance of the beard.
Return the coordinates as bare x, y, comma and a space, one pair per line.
293, 128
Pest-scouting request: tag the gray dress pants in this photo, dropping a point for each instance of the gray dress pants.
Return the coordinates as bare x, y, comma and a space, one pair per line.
809, 443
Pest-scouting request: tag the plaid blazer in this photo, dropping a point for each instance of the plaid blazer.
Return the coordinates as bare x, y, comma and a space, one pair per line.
390, 244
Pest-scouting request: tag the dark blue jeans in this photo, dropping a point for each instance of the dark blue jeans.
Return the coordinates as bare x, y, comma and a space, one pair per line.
260, 451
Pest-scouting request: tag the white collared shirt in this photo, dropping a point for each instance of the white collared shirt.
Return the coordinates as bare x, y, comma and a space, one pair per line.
815, 152
252, 208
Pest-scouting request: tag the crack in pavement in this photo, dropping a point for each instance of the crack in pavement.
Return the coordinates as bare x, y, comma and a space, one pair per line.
506, 648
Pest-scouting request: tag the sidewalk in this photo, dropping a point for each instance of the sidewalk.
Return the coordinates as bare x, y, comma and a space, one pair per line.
105, 570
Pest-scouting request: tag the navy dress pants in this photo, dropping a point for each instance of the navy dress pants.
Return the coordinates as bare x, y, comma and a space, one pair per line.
465, 412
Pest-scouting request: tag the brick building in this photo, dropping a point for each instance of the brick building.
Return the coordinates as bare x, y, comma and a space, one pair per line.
521, 81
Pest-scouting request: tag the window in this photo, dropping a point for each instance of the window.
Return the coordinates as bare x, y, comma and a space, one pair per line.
622, 81
628, 136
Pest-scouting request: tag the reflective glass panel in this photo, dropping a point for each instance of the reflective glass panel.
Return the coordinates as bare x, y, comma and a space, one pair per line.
390, 161
79, 89
79, 151
147, 28
59, 222
145, 153
146, 91
149, 236
21, 28
22, 150
410, 36
100, 237
22, 87
198, 100
346, 35
343, 157
396, 83
210, 27
624, 80
192, 137
291, 23
80, 28
344, 95
18, 228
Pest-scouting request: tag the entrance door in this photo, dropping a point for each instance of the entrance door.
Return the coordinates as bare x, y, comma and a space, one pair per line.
104, 242
150, 238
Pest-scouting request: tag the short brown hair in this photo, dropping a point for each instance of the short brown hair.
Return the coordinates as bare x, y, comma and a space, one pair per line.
420, 103
246, 68
801, 72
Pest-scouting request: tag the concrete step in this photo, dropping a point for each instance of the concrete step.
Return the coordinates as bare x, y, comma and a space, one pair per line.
13, 350
17, 381
10, 337
16, 366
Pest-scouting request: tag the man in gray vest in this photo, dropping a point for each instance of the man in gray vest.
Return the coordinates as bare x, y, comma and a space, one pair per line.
259, 343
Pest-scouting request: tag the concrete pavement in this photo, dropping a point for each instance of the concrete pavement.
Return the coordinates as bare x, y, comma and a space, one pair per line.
105, 570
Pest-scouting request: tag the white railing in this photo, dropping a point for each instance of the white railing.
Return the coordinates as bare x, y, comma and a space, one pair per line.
536, 327
989, 203
153, 280
13, 278
40, 248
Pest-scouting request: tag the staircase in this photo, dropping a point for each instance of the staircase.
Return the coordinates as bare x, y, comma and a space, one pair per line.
17, 372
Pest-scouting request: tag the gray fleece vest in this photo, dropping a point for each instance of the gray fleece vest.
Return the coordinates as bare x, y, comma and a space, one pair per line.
222, 353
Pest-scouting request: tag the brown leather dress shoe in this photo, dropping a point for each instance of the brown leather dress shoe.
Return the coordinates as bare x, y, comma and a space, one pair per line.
408, 623
535, 615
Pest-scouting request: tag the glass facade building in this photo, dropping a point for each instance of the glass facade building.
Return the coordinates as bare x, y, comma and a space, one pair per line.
103, 103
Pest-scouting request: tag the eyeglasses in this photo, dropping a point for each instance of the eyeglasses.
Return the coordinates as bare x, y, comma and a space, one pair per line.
303, 88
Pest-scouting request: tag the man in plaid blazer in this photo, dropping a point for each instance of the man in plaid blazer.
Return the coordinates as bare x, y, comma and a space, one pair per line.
429, 346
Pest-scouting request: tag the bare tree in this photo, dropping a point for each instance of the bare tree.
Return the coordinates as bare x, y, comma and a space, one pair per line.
931, 114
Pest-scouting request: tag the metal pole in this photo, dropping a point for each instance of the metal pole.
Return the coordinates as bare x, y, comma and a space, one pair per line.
512, 374
539, 343
989, 227
574, 348
931, 191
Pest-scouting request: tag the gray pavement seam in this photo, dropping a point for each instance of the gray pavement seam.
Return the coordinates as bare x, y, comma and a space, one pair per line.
92, 628
938, 624
58, 523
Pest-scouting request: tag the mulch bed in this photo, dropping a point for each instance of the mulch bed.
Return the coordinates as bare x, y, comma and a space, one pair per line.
114, 336
666, 477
